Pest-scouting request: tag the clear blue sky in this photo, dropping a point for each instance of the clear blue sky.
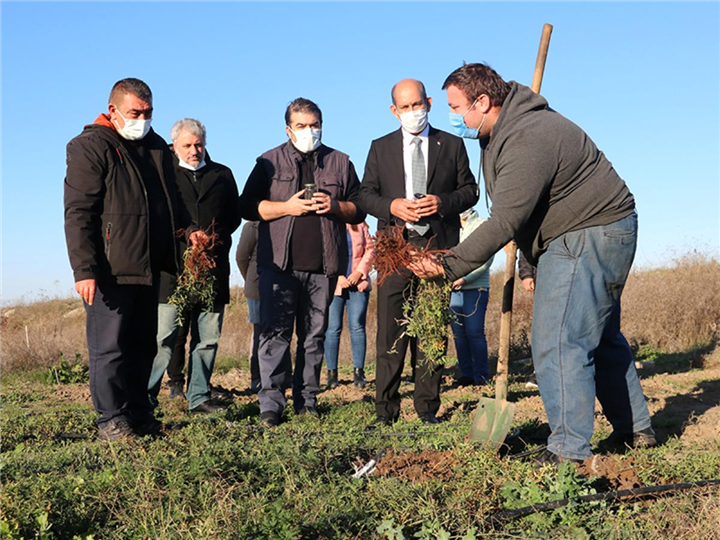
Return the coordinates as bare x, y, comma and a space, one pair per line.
641, 78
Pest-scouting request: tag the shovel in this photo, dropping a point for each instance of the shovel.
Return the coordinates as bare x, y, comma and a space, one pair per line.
493, 417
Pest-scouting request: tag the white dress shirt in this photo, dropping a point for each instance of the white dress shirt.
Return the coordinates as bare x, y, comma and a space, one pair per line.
408, 149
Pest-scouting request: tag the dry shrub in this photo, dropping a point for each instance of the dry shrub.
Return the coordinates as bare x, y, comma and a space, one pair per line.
236, 338
36, 335
674, 308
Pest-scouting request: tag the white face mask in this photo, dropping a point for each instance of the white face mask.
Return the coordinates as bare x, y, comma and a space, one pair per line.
197, 167
307, 140
135, 128
414, 121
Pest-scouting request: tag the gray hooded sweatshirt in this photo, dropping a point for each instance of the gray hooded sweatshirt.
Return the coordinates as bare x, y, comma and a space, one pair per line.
545, 178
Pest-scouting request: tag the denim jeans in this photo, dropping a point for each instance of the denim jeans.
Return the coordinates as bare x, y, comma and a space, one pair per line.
468, 329
578, 350
254, 319
357, 304
205, 328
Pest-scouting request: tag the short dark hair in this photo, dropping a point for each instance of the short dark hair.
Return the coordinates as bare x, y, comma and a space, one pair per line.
423, 93
136, 87
476, 79
302, 105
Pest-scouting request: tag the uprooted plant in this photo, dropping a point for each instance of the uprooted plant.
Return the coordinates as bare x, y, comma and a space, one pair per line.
195, 286
426, 310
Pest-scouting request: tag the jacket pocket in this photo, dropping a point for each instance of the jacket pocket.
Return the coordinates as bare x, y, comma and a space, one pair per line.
108, 239
332, 188
282, 187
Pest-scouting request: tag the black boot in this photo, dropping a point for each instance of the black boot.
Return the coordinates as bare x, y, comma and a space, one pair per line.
359, 377
332, 379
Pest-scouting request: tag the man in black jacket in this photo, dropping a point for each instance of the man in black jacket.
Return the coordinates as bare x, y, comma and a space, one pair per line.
119, 225
418, 177
209, 194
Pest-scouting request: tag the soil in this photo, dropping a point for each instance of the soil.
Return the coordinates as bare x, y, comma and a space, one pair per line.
417, 467
685, 405
614, 472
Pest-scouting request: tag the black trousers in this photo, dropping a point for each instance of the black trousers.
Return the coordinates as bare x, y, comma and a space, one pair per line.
121, 336
177, 360
391, 297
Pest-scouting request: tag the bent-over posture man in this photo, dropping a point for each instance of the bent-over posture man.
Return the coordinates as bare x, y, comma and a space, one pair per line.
572, 215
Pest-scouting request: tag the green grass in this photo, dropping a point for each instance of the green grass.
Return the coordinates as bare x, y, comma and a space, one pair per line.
227, 477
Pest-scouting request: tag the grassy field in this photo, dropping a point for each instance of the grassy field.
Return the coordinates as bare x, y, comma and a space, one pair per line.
227, 477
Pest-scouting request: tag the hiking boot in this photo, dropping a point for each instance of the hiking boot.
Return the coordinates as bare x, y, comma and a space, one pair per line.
177, 390
114, 430
465, 381
207, 407
310, 411
380, 420
270, 418
546, 457
359, 377
428, 418
218, 392
619, 442
147, 425
332, 379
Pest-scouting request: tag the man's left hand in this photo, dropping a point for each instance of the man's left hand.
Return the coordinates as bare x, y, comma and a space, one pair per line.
323, 203
426, 266
428, 205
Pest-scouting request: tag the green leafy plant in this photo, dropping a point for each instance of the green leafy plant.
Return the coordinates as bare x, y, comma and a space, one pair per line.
195, 286
427, 317
65, 372
566, 484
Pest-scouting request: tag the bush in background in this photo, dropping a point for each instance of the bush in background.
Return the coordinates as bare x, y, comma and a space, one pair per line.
673, 309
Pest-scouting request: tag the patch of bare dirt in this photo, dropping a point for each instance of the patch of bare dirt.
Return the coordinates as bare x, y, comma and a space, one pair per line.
703, 429
73, 393
615, 473
417, 467
346, 393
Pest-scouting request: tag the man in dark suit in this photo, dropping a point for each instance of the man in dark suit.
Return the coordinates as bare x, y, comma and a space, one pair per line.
418, 177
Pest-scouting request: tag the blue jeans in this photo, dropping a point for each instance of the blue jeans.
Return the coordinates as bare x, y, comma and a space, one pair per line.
357, 304
205, 328
578, 350
469, 307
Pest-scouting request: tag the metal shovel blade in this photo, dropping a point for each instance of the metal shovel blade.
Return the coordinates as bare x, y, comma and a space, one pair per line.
493, 418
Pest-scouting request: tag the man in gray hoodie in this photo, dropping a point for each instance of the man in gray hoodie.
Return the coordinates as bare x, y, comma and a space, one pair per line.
559, 198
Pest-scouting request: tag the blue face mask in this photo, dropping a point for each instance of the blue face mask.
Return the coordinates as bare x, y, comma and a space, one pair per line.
461, 129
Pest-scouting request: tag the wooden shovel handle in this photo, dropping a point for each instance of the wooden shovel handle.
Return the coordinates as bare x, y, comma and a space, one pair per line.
541, 58
501, 381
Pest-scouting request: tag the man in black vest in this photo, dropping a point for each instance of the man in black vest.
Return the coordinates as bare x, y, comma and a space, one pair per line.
303, 193
120, 221
419, 177
209, 194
